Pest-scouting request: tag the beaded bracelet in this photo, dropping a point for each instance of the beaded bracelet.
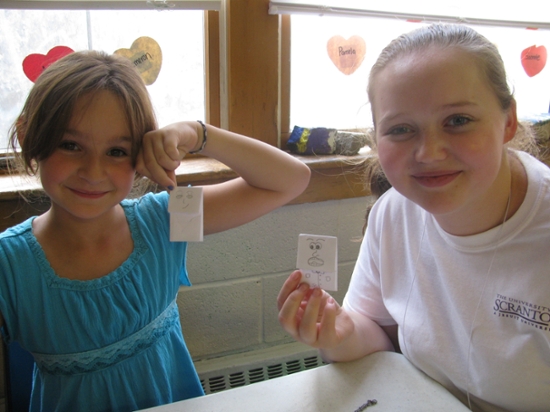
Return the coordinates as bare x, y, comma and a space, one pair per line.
204, 137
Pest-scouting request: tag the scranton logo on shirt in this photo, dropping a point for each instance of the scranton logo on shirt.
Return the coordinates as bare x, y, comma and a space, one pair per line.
534, 315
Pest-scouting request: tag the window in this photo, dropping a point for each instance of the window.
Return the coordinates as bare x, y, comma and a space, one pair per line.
322, 95
177, 93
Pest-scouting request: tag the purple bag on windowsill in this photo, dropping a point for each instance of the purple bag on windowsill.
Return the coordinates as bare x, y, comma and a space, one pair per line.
324, 141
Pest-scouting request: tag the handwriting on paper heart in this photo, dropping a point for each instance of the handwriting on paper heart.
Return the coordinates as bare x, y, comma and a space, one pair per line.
533, 60
347, 55
146, 55
34, 64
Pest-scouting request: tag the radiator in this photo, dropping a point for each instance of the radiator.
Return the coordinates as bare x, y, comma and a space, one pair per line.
244, 369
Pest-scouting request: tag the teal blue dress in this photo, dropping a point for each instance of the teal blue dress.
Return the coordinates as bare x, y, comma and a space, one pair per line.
108, 344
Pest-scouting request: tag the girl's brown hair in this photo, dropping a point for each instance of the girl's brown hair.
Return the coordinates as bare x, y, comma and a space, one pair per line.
48, 109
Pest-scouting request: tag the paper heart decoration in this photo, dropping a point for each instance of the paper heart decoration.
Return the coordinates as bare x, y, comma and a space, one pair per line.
533, 60
34, 64
347, 55
146, 55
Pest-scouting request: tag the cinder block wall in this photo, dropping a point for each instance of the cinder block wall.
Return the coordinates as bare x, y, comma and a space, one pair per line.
236, 275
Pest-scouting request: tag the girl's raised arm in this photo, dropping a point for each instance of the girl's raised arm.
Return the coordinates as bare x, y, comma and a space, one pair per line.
269, 177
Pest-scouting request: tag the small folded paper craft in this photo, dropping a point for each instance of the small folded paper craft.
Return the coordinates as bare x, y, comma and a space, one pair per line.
318, 261
186, 217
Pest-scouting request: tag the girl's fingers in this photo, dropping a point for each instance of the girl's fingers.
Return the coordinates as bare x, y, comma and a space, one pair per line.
288, 314
148, 159
327, 330
153, 162
308, 328
171, 175
291, 283
140, 166
308, 315
165, 150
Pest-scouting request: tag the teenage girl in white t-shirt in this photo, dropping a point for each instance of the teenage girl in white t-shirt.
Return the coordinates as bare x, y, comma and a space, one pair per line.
453, 270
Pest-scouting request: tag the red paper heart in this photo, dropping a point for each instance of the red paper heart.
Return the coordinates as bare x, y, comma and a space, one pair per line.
533, 60
34, 64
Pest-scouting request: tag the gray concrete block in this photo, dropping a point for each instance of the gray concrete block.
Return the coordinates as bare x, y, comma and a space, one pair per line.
272, 330
265, 246
221, 318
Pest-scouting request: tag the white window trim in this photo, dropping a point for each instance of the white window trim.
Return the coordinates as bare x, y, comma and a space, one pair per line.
534, 18
216, 5
112, 4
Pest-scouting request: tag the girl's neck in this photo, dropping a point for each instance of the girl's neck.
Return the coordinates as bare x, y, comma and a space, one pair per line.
57, 223
82, 250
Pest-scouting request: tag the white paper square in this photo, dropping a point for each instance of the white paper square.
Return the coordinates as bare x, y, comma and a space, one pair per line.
186, 214
318, 260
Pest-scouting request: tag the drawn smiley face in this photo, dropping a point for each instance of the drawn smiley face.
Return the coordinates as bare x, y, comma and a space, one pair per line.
185, 198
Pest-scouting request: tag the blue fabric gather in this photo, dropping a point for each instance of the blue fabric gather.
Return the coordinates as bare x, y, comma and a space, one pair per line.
97, 359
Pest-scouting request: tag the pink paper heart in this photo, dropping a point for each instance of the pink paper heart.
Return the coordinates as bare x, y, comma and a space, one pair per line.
35, 64
346, 54
533, 60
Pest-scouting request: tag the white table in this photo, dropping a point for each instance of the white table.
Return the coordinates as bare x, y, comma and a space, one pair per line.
340, 387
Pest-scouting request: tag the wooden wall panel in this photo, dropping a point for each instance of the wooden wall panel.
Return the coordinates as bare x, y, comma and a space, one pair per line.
253, 84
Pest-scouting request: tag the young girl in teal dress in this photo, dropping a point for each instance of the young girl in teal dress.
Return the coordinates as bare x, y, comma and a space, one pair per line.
89, 287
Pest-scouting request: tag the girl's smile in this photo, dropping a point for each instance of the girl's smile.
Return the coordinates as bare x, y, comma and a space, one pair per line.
89, 195
435, 179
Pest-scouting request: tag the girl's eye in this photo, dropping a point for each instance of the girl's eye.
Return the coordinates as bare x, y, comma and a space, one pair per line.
68, 145
459, 120
117, 152
399, 130
398, 133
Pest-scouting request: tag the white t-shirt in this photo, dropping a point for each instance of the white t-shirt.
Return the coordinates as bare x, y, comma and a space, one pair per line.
438, 288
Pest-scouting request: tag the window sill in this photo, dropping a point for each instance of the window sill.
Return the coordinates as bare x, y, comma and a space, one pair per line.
333, 177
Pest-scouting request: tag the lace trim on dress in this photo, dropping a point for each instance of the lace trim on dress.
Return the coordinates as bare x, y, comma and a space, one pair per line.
94, 360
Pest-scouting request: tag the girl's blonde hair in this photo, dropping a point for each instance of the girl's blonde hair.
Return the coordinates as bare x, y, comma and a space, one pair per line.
449, 36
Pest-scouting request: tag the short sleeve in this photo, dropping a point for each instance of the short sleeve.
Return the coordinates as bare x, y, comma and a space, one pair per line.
364, 294
153, 221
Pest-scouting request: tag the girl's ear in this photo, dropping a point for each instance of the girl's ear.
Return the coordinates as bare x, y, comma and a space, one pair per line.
511, 122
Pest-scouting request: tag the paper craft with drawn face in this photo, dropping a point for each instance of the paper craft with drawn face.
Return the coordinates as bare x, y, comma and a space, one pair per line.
186, 217
318, 260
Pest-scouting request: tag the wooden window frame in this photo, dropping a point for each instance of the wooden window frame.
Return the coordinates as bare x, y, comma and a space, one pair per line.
249, 93
247, 64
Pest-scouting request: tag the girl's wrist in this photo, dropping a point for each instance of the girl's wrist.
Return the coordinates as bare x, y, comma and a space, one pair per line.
201, 143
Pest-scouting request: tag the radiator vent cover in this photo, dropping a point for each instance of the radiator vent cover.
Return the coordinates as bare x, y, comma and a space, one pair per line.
257, 371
